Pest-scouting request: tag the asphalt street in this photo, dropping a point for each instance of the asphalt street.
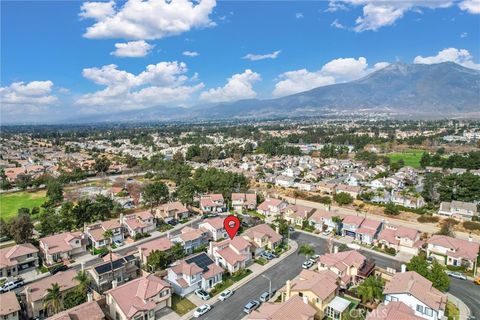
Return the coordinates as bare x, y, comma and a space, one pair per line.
287, 269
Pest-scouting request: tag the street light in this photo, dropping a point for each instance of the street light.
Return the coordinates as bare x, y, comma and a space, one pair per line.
269, 286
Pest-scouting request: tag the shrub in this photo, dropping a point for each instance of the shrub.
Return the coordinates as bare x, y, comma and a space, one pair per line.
428, 219
391, 251
391, 209
450, 221
471, 225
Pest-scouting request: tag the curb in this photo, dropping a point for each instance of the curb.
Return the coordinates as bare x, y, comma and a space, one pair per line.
213, 300
464, 310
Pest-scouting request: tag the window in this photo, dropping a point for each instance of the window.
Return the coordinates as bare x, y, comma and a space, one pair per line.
419, 308
29, 255
428, 311
300, 294
393, 298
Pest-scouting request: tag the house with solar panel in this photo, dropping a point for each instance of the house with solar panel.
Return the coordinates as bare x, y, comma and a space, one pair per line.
198, 271
124, 270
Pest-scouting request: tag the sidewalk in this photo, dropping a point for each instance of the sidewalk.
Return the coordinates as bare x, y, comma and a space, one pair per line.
462, 307
256, 271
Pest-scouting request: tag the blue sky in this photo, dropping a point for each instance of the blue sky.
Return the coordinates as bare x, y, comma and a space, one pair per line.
69, 58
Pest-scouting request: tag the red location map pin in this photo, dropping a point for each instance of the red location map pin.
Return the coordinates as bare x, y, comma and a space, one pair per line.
231, 225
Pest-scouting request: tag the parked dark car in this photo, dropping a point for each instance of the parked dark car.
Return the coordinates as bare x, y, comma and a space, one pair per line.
57, 269
173, 222
103, 254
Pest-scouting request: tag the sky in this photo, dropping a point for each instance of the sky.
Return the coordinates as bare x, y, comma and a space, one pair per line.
67, 59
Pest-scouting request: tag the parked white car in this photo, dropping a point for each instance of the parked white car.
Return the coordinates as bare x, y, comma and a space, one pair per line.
457, 275
307, 264
202, 310
225, 295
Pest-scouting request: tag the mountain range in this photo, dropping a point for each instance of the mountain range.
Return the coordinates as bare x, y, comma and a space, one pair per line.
399, 90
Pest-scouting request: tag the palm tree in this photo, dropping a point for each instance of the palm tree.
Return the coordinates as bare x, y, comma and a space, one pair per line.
83, 281
370, 290
337, 220
108, 234
306, 250
53, 299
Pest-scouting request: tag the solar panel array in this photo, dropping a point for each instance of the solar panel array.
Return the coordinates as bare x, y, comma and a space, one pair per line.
202, 260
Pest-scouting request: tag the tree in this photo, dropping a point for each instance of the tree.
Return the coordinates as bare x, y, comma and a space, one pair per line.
343, 198
23, 211
21, 228
73, 299
337, 220
282, 226
439, 278
155, 193
306, 250
391, 209
83, 281
370, 290
101, 164
176, 252
158, 260
178, 157
186, 191
108, 234
419, 264
4, 229
53, 299
447, 229
54, 191
49, 222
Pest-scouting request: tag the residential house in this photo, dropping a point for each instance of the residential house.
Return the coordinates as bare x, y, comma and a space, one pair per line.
272, 207
350, 266
88, 310
368, 231
326, 187
296, 214
62, 246
17, 258
215, 228
160, 244
138, 223
452, 251
323, 219
244, 201
294, 308
353, 191
9, 306
172, 210
95, 233
139, 299
406, 200
458, 210
194, 272
212, 203
305, 185
284, 181
35, 291
350, 225
417, 293
120, 270
231, 254
402, 239
191, 239
393, 310
317, 288
262, 237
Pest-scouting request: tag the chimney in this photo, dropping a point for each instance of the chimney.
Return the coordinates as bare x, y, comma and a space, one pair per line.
404, 268
305, 299
114, 284
289, 288
210, 250
335, 249
278, 230
89, 297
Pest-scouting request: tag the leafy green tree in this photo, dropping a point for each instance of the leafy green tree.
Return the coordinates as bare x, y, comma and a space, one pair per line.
158, 260
306, 250
155, 193
21, 228
54, 192
176, 252
186, 191
4, 229
391, 209
83, 281
52, 301
370, 290
343, 198
101, 164
108, 234
73, 299
282, 226
178, 157
418, 264
438, 276
49, 222
23, 211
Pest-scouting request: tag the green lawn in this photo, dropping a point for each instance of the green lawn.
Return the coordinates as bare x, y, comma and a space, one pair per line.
181, 305
410, 157
452, 311
11, 202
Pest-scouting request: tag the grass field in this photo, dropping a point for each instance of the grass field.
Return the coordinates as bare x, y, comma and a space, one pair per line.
11, 202
410, 157
181, 305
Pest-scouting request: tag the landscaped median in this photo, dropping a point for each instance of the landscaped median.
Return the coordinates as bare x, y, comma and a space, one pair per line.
241, 281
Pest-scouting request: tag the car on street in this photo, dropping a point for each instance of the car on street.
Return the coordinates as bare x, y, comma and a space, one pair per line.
264, 297
11, 285
57, 269
477, 281
252, 305
314, 258
118, 243
458, 275
307, 264
173, 222
225, 295
202, 294
202, 310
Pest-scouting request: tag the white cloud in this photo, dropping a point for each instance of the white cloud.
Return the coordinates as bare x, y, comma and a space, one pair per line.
256, 57
132, 49
337, 70
460, 56
337, 24
463, 34
239, 86
381, 13
32, 93
146, 19
160, 84
190, 53
299, 15
471, 6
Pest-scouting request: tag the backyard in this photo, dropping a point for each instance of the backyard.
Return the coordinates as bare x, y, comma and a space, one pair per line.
11, 202
410, 157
